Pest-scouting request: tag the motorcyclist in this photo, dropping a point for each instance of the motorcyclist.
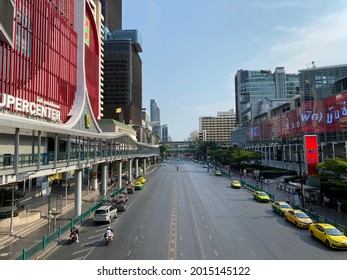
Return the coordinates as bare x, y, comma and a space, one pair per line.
74, 230
177, 168
109, 233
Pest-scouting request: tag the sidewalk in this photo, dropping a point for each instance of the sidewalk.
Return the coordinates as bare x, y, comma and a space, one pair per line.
27, 235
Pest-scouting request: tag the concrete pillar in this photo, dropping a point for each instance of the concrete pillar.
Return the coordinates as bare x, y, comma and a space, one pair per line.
104, 179
119, 171
78, 192
136, 168
95, 177
16, 151
130, 171
333, 148
144, 166
290, 152
38, 150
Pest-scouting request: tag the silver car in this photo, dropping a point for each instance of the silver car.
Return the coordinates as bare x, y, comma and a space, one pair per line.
105, 214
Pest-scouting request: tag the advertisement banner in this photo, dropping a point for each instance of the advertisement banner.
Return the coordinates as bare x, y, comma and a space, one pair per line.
311, 153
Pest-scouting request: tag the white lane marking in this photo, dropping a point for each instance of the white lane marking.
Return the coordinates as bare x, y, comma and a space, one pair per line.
210, 237
89, 243
206, 226
94, 236
129, 253
216, 253
80, 251
253, 253
136, 238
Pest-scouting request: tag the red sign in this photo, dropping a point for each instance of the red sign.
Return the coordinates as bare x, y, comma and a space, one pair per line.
311, 152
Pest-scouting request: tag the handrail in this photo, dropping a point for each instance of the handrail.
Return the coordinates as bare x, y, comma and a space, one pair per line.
47, 240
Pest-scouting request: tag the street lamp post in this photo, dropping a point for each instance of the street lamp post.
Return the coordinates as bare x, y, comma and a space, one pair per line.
301, 184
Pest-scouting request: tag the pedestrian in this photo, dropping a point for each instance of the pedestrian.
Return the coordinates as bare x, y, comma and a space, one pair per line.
288, 199
339, 206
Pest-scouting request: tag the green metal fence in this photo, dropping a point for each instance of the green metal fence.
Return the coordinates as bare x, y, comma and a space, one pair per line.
322, 219
47, 240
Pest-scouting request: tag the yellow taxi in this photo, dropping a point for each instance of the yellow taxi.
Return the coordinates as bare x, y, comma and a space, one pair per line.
141, 179
218, 173
328, 234
261, 196
138, 185
235, 184
280, 207
298, 218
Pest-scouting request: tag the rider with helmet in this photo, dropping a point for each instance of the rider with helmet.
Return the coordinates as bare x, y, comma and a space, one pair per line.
109, 233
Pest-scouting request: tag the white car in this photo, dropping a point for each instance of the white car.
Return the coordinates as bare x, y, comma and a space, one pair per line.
162, 164
105, 214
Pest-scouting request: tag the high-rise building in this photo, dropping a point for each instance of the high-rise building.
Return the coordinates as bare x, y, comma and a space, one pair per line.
217, 128
255, 85
165, 133
155, 111
112, 12
123, 77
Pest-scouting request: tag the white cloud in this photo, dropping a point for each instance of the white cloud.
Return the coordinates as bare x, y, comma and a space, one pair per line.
321, 40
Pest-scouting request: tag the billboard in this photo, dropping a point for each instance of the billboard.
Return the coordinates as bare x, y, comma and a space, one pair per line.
311, 153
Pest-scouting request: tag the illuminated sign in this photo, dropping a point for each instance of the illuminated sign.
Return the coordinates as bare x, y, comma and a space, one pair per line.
311, 152
40, 108
86, 31
88, 121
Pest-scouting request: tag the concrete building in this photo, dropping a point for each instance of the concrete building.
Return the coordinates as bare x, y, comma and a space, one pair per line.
254, 85
165, 133
217, 128
319, 109
51, 105
123, 77
112, 12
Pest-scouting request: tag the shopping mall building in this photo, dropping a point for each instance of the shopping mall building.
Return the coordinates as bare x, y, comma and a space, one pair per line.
319, 109
51, 63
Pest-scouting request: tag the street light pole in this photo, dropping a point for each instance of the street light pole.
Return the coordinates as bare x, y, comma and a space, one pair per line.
301, 184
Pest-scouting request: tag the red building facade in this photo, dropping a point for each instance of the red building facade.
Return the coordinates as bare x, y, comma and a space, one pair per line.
38, 75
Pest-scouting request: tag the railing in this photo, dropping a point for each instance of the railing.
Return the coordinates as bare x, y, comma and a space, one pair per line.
7, 161
322, 219
46, 240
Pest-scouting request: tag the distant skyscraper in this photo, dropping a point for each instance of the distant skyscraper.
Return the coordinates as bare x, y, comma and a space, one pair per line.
165, 133
123, 77
112, 12
155, 111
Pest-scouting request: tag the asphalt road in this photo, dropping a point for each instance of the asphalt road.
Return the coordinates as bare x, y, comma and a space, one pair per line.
191, 214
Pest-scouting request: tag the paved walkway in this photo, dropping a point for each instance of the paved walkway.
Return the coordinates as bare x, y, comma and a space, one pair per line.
26, 236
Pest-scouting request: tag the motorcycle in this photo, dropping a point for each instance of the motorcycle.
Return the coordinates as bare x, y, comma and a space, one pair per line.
108, 240
72, 238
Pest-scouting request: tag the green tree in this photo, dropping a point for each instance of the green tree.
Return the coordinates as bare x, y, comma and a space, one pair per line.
163, 150
338, 166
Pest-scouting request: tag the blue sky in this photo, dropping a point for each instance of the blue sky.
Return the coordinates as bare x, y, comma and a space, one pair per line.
193, 48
